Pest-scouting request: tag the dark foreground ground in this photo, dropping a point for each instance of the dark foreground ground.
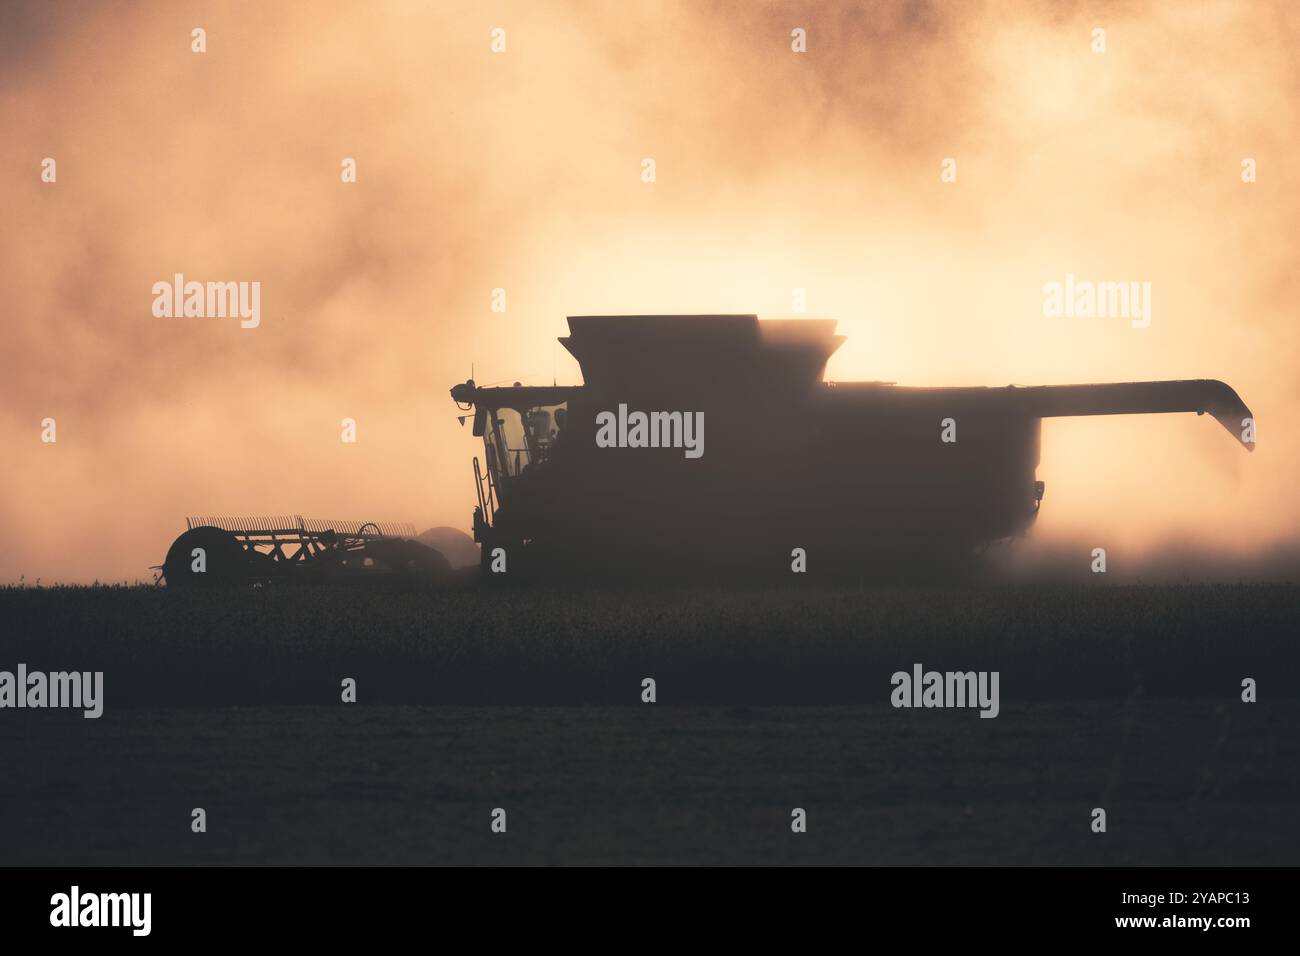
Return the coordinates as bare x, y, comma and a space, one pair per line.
1182, 783
1121, 698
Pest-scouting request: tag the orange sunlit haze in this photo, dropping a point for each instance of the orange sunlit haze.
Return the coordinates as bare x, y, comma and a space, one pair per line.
918, 171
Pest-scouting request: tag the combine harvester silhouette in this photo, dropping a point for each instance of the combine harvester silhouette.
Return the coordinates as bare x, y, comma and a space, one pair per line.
709, 446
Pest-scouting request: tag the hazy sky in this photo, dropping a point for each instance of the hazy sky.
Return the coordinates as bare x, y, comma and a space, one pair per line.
522, 170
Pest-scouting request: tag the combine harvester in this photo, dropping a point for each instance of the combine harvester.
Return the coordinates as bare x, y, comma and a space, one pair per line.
708, 447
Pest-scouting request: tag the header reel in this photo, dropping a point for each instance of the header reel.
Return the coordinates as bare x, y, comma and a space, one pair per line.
260, 550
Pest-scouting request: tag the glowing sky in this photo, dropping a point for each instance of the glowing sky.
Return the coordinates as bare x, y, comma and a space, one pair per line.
521, 170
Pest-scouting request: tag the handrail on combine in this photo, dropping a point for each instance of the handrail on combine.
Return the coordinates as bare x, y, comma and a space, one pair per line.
478, 487
487, 503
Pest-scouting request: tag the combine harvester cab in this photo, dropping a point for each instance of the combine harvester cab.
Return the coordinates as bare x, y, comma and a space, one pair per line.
710, 446
222, 550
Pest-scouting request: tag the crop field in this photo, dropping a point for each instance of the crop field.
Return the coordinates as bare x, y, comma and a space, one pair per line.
1126, 698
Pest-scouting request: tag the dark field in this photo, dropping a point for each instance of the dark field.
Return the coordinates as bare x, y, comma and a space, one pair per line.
1182, 783
1123, 698
769, 646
